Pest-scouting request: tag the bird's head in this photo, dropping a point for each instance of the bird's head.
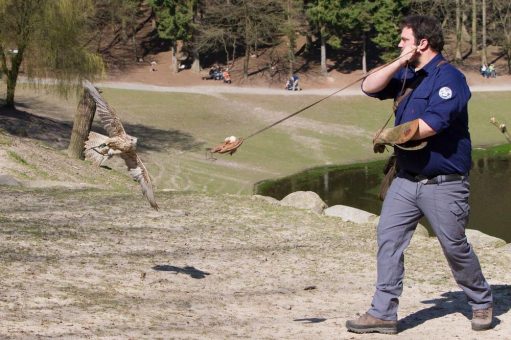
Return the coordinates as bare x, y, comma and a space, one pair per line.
133, 141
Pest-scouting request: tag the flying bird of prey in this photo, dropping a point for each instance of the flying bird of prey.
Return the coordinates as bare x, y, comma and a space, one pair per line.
99, 148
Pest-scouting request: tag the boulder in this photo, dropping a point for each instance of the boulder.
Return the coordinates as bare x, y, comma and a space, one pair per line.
8, 180
304, 200
268, 199
481, 240
350, 214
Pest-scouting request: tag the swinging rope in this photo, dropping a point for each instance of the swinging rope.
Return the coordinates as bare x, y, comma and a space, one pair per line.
231, 147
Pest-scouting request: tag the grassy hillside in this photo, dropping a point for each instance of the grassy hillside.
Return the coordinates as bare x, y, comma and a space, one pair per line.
174, 129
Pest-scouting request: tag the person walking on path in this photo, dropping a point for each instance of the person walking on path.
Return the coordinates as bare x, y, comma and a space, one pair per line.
431, 181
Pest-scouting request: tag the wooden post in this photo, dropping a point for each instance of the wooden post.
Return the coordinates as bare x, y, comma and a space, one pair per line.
82, 125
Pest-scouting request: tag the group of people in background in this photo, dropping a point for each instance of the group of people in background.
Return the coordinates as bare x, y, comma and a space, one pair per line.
488, 71
218, 73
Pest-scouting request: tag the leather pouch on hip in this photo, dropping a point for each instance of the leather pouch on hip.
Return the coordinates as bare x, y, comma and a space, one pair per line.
390, 170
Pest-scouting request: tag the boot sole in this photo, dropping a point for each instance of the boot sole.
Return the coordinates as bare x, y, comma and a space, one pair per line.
382, 330
481, 327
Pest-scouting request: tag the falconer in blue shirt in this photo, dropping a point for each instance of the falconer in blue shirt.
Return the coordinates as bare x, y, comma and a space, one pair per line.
433, 163
440, 101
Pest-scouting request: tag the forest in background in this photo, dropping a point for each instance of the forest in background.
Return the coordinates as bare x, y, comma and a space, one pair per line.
72, 40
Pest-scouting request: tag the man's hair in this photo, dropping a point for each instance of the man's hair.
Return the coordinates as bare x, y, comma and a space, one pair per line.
425, 27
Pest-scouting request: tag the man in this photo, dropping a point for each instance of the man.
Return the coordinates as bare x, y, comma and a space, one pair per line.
431, 181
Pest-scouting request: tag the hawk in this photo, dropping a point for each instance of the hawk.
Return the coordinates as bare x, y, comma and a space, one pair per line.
99, 148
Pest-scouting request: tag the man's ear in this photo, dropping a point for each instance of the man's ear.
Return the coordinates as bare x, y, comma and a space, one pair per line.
423, 45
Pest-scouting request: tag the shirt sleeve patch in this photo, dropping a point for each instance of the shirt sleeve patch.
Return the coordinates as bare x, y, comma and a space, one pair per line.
445, 92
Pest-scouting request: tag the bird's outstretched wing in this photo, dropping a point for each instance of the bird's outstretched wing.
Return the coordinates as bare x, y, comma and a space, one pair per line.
141, 175
93, 149
109, 118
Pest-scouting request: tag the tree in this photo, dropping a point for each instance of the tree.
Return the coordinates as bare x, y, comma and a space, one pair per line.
241, 25
386, 16
484, 59
175, 20
457, 55
502, 18
474, 27
119, 17
325, 17
218, 30
44, 36
363, 12
258, 25
290, 28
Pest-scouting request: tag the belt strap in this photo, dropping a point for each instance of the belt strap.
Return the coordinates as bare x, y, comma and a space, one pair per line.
433, 180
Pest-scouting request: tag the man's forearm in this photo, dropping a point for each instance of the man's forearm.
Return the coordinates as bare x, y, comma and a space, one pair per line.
424, 131
379, 79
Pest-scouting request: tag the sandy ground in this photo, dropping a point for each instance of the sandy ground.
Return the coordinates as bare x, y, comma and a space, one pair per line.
93, 264
94, 261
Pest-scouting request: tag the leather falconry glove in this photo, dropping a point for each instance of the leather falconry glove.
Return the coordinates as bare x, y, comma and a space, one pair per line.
230, 145
399, 136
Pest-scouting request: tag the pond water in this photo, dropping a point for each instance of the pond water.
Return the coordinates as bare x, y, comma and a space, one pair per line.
357, 186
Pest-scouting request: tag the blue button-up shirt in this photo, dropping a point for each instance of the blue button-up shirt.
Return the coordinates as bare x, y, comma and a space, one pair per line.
441, 101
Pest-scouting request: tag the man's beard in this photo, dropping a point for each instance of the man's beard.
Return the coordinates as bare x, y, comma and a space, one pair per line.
414, 61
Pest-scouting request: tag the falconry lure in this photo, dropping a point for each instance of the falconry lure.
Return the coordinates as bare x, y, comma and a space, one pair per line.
99, 148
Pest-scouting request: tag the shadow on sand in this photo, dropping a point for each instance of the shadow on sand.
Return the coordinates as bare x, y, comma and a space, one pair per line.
192, 271
454, 302
57, 133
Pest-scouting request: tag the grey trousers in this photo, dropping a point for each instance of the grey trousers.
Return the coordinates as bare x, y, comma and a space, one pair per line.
446, 207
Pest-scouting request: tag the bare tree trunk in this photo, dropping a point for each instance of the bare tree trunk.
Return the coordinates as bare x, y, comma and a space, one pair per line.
231, 62
177, 55
292, 41
12, 77
82, 125
196, 62
364, 53
324, 70
457, 56
308, 42
135, 48
484, 59
507, 49
474, 26
246, 62
196, 56
247, 45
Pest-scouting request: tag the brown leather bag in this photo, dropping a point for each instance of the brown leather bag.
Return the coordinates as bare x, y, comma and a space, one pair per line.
390, 171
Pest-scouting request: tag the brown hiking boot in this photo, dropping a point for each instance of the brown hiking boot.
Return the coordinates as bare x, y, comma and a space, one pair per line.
369, 324
482, 318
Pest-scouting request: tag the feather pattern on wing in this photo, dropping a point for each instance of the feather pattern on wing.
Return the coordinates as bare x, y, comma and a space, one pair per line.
140, 174
109, 118
93, 151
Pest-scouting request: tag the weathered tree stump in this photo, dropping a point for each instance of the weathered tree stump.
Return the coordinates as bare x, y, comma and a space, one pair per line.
82, 125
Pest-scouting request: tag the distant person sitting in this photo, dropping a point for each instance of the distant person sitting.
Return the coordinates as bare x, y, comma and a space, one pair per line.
211, 73
227, 76
483, 70
491, 71
153, 66
292, 83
